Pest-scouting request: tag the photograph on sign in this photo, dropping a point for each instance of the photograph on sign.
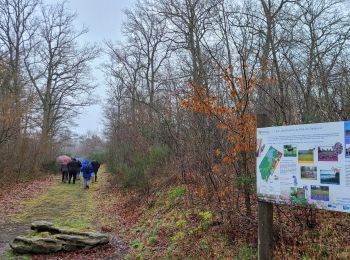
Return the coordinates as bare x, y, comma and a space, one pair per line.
305, 164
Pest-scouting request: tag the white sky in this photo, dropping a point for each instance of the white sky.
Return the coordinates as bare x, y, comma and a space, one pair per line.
103, 18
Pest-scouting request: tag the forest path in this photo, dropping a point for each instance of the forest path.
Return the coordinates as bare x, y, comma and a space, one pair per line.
66, 205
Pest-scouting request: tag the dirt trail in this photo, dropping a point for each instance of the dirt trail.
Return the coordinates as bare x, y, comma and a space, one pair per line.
64, 204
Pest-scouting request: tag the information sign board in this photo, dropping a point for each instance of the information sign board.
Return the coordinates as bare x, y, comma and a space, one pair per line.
305, 164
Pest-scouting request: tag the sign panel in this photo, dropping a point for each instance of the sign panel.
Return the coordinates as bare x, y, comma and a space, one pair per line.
305, 164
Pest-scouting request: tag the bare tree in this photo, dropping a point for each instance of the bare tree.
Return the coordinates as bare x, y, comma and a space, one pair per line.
17, 27
314, 53
189, 22
147, 32
125, 68
59, 69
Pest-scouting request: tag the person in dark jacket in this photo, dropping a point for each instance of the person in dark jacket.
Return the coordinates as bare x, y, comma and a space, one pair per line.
96, 165
73, 169
64, 171
81, 162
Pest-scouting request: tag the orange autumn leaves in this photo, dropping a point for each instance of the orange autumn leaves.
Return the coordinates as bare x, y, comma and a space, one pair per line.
231, 111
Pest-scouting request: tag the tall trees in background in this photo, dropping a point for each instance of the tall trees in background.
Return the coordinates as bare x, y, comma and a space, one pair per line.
44, 79
294, 53
17, 25
58, 70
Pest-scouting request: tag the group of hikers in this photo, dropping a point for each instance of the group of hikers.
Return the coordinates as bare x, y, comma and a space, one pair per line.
71, 171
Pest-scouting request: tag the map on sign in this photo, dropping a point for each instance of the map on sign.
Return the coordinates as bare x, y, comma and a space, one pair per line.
269, 163
305, 165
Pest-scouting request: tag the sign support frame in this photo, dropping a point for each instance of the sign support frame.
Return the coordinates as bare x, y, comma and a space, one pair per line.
265, 213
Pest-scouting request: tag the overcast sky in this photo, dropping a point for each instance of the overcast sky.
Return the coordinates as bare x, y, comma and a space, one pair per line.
103, 19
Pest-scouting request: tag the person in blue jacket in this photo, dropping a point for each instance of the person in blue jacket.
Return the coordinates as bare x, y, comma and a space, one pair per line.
86, 169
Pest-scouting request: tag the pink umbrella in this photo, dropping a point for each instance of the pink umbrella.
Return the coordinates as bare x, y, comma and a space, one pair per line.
63, 159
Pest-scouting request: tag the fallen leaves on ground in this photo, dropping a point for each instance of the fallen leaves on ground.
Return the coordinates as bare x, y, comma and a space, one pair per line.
13, 196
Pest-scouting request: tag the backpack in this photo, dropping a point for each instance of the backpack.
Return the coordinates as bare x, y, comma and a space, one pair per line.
86, 168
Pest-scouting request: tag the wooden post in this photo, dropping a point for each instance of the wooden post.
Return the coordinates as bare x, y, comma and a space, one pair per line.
265, 214
265, 230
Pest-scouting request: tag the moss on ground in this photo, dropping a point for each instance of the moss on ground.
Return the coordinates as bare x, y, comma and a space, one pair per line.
11, 256
64, 204
171, 230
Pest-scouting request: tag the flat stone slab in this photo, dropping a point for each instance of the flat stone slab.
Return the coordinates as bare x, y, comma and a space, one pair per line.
58, 239
73, 242
41, 224
45, 226
35, 245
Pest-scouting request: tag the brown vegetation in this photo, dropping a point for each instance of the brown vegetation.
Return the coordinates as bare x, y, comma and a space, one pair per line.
185, 87
44, 80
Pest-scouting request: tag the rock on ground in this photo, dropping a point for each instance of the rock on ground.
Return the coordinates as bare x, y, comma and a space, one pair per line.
59, 239
36, 245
